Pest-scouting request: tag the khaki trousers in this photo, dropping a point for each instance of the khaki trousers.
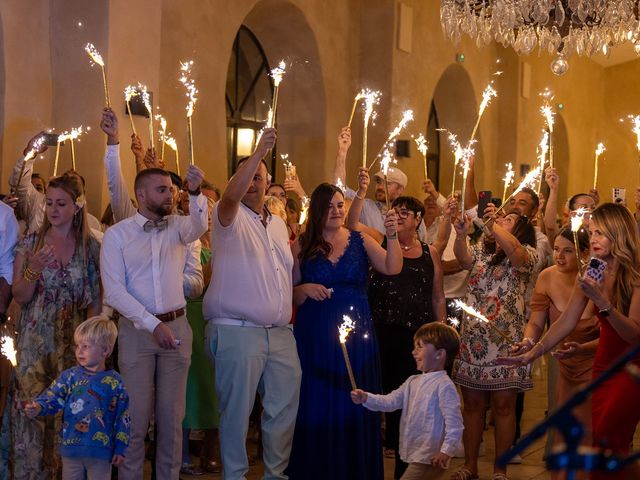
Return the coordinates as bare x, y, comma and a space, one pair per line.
147, 369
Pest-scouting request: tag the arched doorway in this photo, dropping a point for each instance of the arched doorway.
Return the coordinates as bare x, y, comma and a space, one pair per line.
433, 140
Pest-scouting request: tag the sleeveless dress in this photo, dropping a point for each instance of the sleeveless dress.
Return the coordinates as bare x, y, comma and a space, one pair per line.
400, 304
334, 438
614, 404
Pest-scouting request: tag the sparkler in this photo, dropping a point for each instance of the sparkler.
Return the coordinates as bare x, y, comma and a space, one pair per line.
71, 136
129, 93
277, 74
340, 185
467, 153
8, 349
457, 156
97, 58
192, 92
166, 139
487, 95
384, 163
529, 180
146, 99
407, 116
421, 143
371, 99
577, 218
162, 133
454, 322
358, 97
599, 151
543, 148
347, 326
547, 113
31, 154
508, 180
475, 313
636, 129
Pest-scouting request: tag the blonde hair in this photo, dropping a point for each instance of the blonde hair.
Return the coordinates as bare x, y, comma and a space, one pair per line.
99, 330
440, 336
276, 207
619, 227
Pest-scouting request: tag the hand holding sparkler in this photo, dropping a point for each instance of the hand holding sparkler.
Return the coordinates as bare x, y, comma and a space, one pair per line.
109, 125
358, 396
391, 224
345, 328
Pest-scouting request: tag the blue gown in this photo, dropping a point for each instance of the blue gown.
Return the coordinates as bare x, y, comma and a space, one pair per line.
334, 438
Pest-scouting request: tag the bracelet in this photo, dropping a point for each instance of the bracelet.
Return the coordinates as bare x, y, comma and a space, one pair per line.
358, 196
31, 275
393, 236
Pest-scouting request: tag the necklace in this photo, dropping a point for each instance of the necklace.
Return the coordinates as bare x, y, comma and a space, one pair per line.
408, 247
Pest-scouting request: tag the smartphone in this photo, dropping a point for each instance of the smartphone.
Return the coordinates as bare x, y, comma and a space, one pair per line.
619, 195
595, 269
484, 199
50, 139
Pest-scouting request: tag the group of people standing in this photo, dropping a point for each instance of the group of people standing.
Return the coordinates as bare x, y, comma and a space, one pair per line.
235, 299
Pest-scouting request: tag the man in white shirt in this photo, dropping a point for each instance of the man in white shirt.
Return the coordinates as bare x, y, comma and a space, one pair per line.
8, 240
248, 309
141, 262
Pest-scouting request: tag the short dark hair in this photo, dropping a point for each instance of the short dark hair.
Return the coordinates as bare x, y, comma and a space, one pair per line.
440, 336
412, 204
533, 195
244, 159
583, 238
146, 173
574, 199
175, 179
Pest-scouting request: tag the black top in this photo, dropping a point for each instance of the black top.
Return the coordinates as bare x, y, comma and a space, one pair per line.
404, 300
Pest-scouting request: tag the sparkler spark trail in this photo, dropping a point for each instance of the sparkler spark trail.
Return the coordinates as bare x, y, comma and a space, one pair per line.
371, 99
508, 179
547, 112
543, 148
171, 142
454, 322
475, 313
599, 151
8, 349
407, 116
487, 95
31, 154
71, 136
421, 144
162, 132
577, 219
345, 328
277, 74
384, 163
530, 180
192, 95
467, 153
146, 99
457, 156
130, 92
97, 58
357, 98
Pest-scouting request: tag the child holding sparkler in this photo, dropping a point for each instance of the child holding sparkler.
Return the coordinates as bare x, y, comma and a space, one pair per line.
431, 422
95, 431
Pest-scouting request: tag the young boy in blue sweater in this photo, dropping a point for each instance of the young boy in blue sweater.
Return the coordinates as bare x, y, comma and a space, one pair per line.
95, 404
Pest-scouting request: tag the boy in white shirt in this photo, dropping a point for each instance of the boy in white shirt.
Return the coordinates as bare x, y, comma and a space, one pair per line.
431, 423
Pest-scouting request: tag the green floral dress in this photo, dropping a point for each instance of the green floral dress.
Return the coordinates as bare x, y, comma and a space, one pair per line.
45, 348
498, 292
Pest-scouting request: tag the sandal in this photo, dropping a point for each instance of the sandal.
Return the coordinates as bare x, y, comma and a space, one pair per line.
464, 474
499, 476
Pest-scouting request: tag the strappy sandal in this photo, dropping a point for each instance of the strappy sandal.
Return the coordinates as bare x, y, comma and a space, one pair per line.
499, 476
464, 474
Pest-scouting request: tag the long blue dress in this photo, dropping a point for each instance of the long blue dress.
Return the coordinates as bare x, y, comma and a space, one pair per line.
334, 438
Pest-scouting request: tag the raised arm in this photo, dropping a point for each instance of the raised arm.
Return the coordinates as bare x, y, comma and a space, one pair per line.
353, 217
340, 168
389, 261
460, 248
241, 180
444, 228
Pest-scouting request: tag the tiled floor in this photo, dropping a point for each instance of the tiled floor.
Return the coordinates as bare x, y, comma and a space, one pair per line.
532, 466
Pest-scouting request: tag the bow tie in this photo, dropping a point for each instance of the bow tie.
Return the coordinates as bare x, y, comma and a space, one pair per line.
157, 224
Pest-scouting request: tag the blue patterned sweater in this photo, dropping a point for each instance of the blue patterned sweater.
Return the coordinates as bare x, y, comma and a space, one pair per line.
95, 422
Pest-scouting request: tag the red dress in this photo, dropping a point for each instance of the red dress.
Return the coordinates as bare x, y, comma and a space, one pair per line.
615, 411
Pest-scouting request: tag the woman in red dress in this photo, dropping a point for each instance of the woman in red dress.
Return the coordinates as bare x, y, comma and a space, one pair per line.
616, 296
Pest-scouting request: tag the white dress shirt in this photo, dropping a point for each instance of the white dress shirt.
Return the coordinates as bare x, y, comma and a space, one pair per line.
141, 270
252, 283
122, 208
431, 420
8, 240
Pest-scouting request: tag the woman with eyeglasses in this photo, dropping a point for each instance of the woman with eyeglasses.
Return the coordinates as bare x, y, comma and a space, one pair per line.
501, 265
401, 303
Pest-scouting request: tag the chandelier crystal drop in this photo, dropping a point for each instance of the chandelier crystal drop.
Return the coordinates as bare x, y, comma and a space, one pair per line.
563, 27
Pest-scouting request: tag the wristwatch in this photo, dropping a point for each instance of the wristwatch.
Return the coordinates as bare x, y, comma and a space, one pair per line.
605, 312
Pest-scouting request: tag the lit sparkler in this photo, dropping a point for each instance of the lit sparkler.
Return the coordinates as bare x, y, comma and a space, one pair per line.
169, 140
340, 185
508, 180
475, 313
577, 218
130, 92
162, 133
487, 95
71, 136
599, 151
547, 113
31, 154
407, 116
384, 163
371, 99
347, 326
357, 98
7, 346
421, 144
457, 156
530, 180
467, 153
192, 92
97, 58
453, 321
543, 148
146, 99
277, 74
635, 120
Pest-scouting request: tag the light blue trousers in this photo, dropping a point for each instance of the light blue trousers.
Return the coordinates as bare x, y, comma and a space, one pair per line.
249, 360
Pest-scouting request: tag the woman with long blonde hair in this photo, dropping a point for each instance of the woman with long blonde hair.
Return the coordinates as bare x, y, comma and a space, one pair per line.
56, 281
612, 283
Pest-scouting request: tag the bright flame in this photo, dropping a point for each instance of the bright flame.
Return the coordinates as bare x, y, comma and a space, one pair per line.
600, 149
530, 180
456, 147
339, 184
470, 310
146, 98
371, 99
285, 160
170, 141
346, 328
543, 148
636, 128
37, 144
94, 54
454, 322
129, 92
577, 217
508, 177
189, 84
278, 72
547, 113
386, 161
487, 95
421, 143
407, 116
163, 123
73, 135
465, 157
8, 349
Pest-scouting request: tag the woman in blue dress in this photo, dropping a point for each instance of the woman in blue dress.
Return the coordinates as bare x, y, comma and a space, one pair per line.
333, 438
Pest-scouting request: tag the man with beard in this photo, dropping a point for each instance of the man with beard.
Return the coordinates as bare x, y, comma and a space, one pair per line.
142, 261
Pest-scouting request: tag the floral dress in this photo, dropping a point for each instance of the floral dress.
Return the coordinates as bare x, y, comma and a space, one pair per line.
45, 348
498, 292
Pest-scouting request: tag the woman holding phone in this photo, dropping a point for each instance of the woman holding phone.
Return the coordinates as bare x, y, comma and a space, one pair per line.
612, 284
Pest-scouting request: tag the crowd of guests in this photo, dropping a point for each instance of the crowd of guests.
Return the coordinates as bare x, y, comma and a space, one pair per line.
227, 304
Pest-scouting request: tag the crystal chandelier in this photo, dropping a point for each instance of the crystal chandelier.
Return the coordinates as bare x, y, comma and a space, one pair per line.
564, 27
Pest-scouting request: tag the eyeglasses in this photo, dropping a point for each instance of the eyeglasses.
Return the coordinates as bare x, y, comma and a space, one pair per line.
404, 213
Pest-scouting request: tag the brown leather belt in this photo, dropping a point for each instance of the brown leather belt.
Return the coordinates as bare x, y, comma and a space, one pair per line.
170, 316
